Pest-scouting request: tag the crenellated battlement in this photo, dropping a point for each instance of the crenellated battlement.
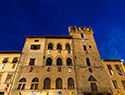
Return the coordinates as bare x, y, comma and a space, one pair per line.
80, 29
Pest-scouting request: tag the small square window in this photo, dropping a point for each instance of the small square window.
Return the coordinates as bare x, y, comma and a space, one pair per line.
90, 46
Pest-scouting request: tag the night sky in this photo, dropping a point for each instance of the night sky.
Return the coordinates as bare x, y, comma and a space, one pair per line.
53, 17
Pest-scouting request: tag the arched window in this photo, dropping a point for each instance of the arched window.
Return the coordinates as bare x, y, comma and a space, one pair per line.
35, 80
34, 84
88, 62
59, 62
69, 62
70, 83
84, 46
59, 47
50, 46
58, 83
94, 87
67, 47
23, 80
22, 84
91, 78
48, 62
47, 83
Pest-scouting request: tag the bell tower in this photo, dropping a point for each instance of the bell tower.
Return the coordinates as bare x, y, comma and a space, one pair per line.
90, 74
84, 45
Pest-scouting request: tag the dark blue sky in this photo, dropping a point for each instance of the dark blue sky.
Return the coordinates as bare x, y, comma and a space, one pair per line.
53, 17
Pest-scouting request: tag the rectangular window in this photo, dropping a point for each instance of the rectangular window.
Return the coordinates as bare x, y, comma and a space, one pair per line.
8, 79
115, 84
15, 59
32, 85
23, 87
117, 67
109, 67
88, 62
36, 40
84, 46
36, 86
123, 83
5, 60
32, 61
82, 36
35, 47
19, 86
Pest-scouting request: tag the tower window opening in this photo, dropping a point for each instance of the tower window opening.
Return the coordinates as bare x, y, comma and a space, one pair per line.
82, 36
91, 78
88, 62
84, 46
94, 87
90, 46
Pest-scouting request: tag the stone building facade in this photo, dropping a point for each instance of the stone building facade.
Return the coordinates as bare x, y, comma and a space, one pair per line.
8, 64
62, 65
116, 74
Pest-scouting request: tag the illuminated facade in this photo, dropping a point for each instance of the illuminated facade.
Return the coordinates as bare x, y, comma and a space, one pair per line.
116, 74
62, 65
8, 64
